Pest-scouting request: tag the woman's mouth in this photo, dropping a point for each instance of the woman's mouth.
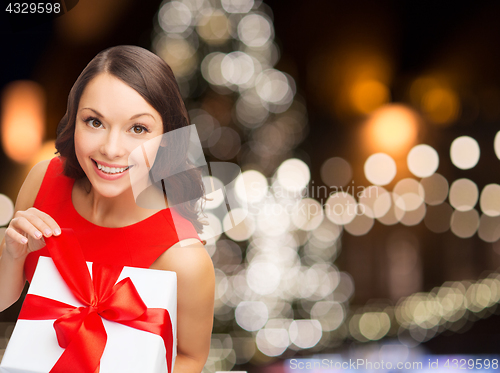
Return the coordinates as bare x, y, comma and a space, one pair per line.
110, 172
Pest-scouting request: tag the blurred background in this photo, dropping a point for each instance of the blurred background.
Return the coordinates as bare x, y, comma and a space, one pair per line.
367, 135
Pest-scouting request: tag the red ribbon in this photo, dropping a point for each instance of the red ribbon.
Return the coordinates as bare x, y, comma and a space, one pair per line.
80, 330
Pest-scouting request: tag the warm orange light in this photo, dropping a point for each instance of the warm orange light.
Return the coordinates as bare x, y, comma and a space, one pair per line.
354, 80
368, 95
441, 105
47, 151
23, 113
90, 20
436, 99
420, 87
392, 129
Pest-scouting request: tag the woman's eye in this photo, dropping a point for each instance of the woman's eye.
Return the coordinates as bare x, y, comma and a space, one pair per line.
139, 129
94, 122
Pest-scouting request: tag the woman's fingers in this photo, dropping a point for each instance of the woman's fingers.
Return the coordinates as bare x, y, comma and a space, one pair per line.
43, 222
54, 227
16, 236
48, 220
28, 227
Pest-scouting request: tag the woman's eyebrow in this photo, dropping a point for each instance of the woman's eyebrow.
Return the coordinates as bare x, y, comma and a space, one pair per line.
141, 114
132, 117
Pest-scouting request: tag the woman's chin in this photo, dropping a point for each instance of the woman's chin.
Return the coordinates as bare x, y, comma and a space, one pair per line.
109, 191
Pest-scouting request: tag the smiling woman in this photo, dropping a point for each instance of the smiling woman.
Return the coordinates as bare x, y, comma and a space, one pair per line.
126, 98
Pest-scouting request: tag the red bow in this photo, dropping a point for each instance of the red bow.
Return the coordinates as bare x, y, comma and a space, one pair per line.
80, 330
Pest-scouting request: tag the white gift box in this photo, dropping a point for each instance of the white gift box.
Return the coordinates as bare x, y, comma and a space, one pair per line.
33, 346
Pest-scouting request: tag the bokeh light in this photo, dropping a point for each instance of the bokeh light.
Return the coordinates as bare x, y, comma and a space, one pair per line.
441, 105
489, 228
46, 152
293, 175
272, 341
251, 186
408, 194
391, 129
273, 219
273, 87
178, 52
374, 325
174, 17
263, 278
336, 171
412, 217
463, 194
375, 201
251, 316
245, 227
341, 208
435, 189
213, 27
250, 110
211, 68
423, 160
237, 6
23, 116
307, 214
360, 225
490, 200
436, 99
464, 224
496, 144
330, 314
368, 95
464, 152
238, 68
380, 169
305, 333
255, 30
394, 214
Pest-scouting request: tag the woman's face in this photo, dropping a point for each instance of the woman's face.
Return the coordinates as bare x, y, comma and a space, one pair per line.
113, 120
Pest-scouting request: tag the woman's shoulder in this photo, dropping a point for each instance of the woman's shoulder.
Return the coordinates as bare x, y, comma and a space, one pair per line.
31, 186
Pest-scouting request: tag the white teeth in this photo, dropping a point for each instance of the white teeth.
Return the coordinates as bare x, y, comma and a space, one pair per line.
111, 170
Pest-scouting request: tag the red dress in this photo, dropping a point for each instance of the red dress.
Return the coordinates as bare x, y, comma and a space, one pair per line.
136, 245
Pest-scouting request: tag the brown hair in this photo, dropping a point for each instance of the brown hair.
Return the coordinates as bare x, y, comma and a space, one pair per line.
154, 80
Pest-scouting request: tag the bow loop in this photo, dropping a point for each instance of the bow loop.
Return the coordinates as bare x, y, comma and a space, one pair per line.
124, 303
68, 325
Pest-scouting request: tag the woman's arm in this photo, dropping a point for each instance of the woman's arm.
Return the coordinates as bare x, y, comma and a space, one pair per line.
195, 303
27, 220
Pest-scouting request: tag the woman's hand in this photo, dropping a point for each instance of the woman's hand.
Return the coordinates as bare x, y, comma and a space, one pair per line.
20, 238
26, 231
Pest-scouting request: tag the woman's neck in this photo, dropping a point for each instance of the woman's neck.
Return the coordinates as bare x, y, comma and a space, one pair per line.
112, 212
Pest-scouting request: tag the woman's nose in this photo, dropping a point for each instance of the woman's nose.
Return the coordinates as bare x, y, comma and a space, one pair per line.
113, 146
